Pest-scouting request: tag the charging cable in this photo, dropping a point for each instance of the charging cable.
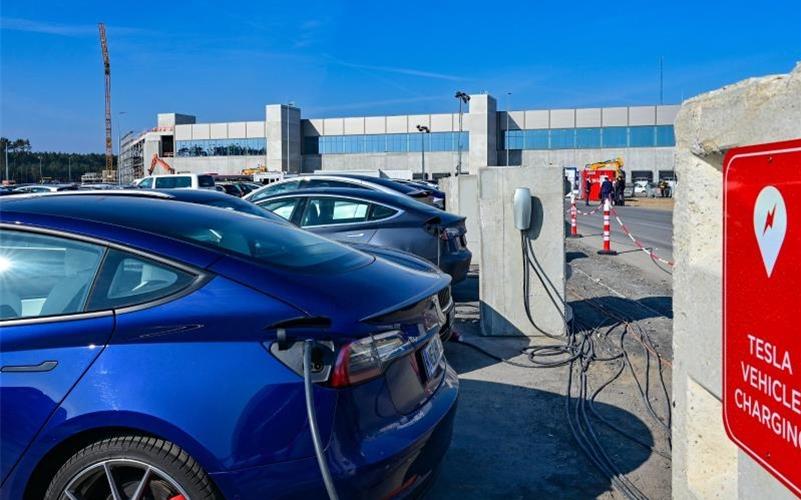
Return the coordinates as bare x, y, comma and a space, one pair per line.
308, 345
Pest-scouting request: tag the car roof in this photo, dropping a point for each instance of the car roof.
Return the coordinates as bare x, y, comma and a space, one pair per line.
97, 206
394, 199
383, 181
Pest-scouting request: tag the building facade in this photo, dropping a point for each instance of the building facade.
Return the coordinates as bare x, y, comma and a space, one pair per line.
441, 144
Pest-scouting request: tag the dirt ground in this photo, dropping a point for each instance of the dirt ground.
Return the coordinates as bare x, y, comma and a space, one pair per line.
655, 203
512, 436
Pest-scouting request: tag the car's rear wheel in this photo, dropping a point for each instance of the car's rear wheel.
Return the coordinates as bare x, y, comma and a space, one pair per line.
131, 467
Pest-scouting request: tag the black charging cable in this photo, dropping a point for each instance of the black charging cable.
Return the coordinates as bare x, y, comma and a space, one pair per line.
308, 346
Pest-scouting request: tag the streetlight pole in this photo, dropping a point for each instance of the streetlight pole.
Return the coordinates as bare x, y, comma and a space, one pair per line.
8, 179
423, 131
69, 168
40, 169
463, 99
286, 138
119, 145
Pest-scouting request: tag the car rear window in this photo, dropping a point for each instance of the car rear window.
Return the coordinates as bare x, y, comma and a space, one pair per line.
173, 182
205, 181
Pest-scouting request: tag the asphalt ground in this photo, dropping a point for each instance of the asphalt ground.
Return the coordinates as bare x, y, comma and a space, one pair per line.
512, 436
652, 227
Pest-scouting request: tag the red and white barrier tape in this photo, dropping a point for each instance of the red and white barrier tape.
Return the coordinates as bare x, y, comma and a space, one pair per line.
591, 212
639, 245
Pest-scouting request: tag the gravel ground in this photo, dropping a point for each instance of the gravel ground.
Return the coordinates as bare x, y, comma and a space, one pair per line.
512, 438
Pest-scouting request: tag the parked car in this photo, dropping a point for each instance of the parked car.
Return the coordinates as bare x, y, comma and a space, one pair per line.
645, 188
391, 186
156, 349
99, 187
176, 181
237, 188
406, 259
44, 188
378, 218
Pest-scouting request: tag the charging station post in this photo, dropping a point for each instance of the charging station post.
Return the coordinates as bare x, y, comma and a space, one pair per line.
512, 220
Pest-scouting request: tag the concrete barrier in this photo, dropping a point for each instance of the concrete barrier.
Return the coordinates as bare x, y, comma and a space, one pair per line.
461, 197
705, 463
501, 261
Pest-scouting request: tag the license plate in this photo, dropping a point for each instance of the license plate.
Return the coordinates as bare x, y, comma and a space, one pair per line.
432, 353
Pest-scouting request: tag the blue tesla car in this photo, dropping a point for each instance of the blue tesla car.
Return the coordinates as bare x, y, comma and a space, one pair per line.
156, 349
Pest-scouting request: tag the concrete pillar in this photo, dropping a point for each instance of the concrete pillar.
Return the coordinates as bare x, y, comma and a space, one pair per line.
706, 463
501, 281
482, 123
282, 128
461, 197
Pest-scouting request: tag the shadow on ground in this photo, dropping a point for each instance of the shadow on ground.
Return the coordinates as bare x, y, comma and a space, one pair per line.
590, 310
571, 256
512, 441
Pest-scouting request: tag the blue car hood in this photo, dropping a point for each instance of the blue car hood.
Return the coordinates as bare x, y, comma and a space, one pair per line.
345, 298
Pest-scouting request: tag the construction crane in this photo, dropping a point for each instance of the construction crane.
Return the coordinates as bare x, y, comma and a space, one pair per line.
107, 71
613, 164
158, 162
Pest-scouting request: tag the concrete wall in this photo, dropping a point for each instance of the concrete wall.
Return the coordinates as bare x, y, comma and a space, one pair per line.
436, 163
461, 197
589, 117
224, 165
705, 463
500, 286
635, 159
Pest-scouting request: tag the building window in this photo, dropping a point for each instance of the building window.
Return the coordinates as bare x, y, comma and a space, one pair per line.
615, 137
385, 143
536, 139
588, 138
221, 147
665, 136
514, 139
642, 137
563, 138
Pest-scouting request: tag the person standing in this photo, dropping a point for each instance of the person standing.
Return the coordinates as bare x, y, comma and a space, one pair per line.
607, 190
587, 190
620, 191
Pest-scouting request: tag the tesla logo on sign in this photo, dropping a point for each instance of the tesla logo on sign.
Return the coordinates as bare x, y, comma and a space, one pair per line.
770, 225
761, 298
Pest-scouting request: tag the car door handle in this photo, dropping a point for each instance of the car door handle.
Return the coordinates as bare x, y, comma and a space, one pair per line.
44, 366
354, 235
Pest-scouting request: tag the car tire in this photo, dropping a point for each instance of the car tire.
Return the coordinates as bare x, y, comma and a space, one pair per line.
172, 471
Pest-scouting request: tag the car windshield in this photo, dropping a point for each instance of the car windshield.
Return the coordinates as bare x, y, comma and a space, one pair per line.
254, 238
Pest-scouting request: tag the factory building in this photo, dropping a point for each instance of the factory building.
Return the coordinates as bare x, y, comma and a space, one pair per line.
479, 136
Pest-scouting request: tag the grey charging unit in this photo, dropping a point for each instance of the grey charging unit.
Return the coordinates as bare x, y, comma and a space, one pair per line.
522, 208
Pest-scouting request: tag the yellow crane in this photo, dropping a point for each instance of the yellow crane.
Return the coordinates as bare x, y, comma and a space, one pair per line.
615, 164
107, 73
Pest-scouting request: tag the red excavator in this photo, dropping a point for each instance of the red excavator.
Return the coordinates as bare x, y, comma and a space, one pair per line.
156, 161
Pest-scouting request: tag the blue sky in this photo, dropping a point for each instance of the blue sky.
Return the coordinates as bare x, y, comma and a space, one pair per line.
223, 61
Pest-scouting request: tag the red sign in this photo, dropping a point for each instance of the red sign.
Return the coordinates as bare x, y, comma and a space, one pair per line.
762, 305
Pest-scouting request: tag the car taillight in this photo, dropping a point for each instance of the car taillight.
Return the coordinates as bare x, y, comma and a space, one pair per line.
449, 233
366, 359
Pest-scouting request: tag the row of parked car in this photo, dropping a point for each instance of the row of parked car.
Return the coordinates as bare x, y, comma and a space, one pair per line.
152, 341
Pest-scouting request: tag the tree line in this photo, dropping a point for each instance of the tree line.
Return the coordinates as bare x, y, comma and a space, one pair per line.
26, 166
